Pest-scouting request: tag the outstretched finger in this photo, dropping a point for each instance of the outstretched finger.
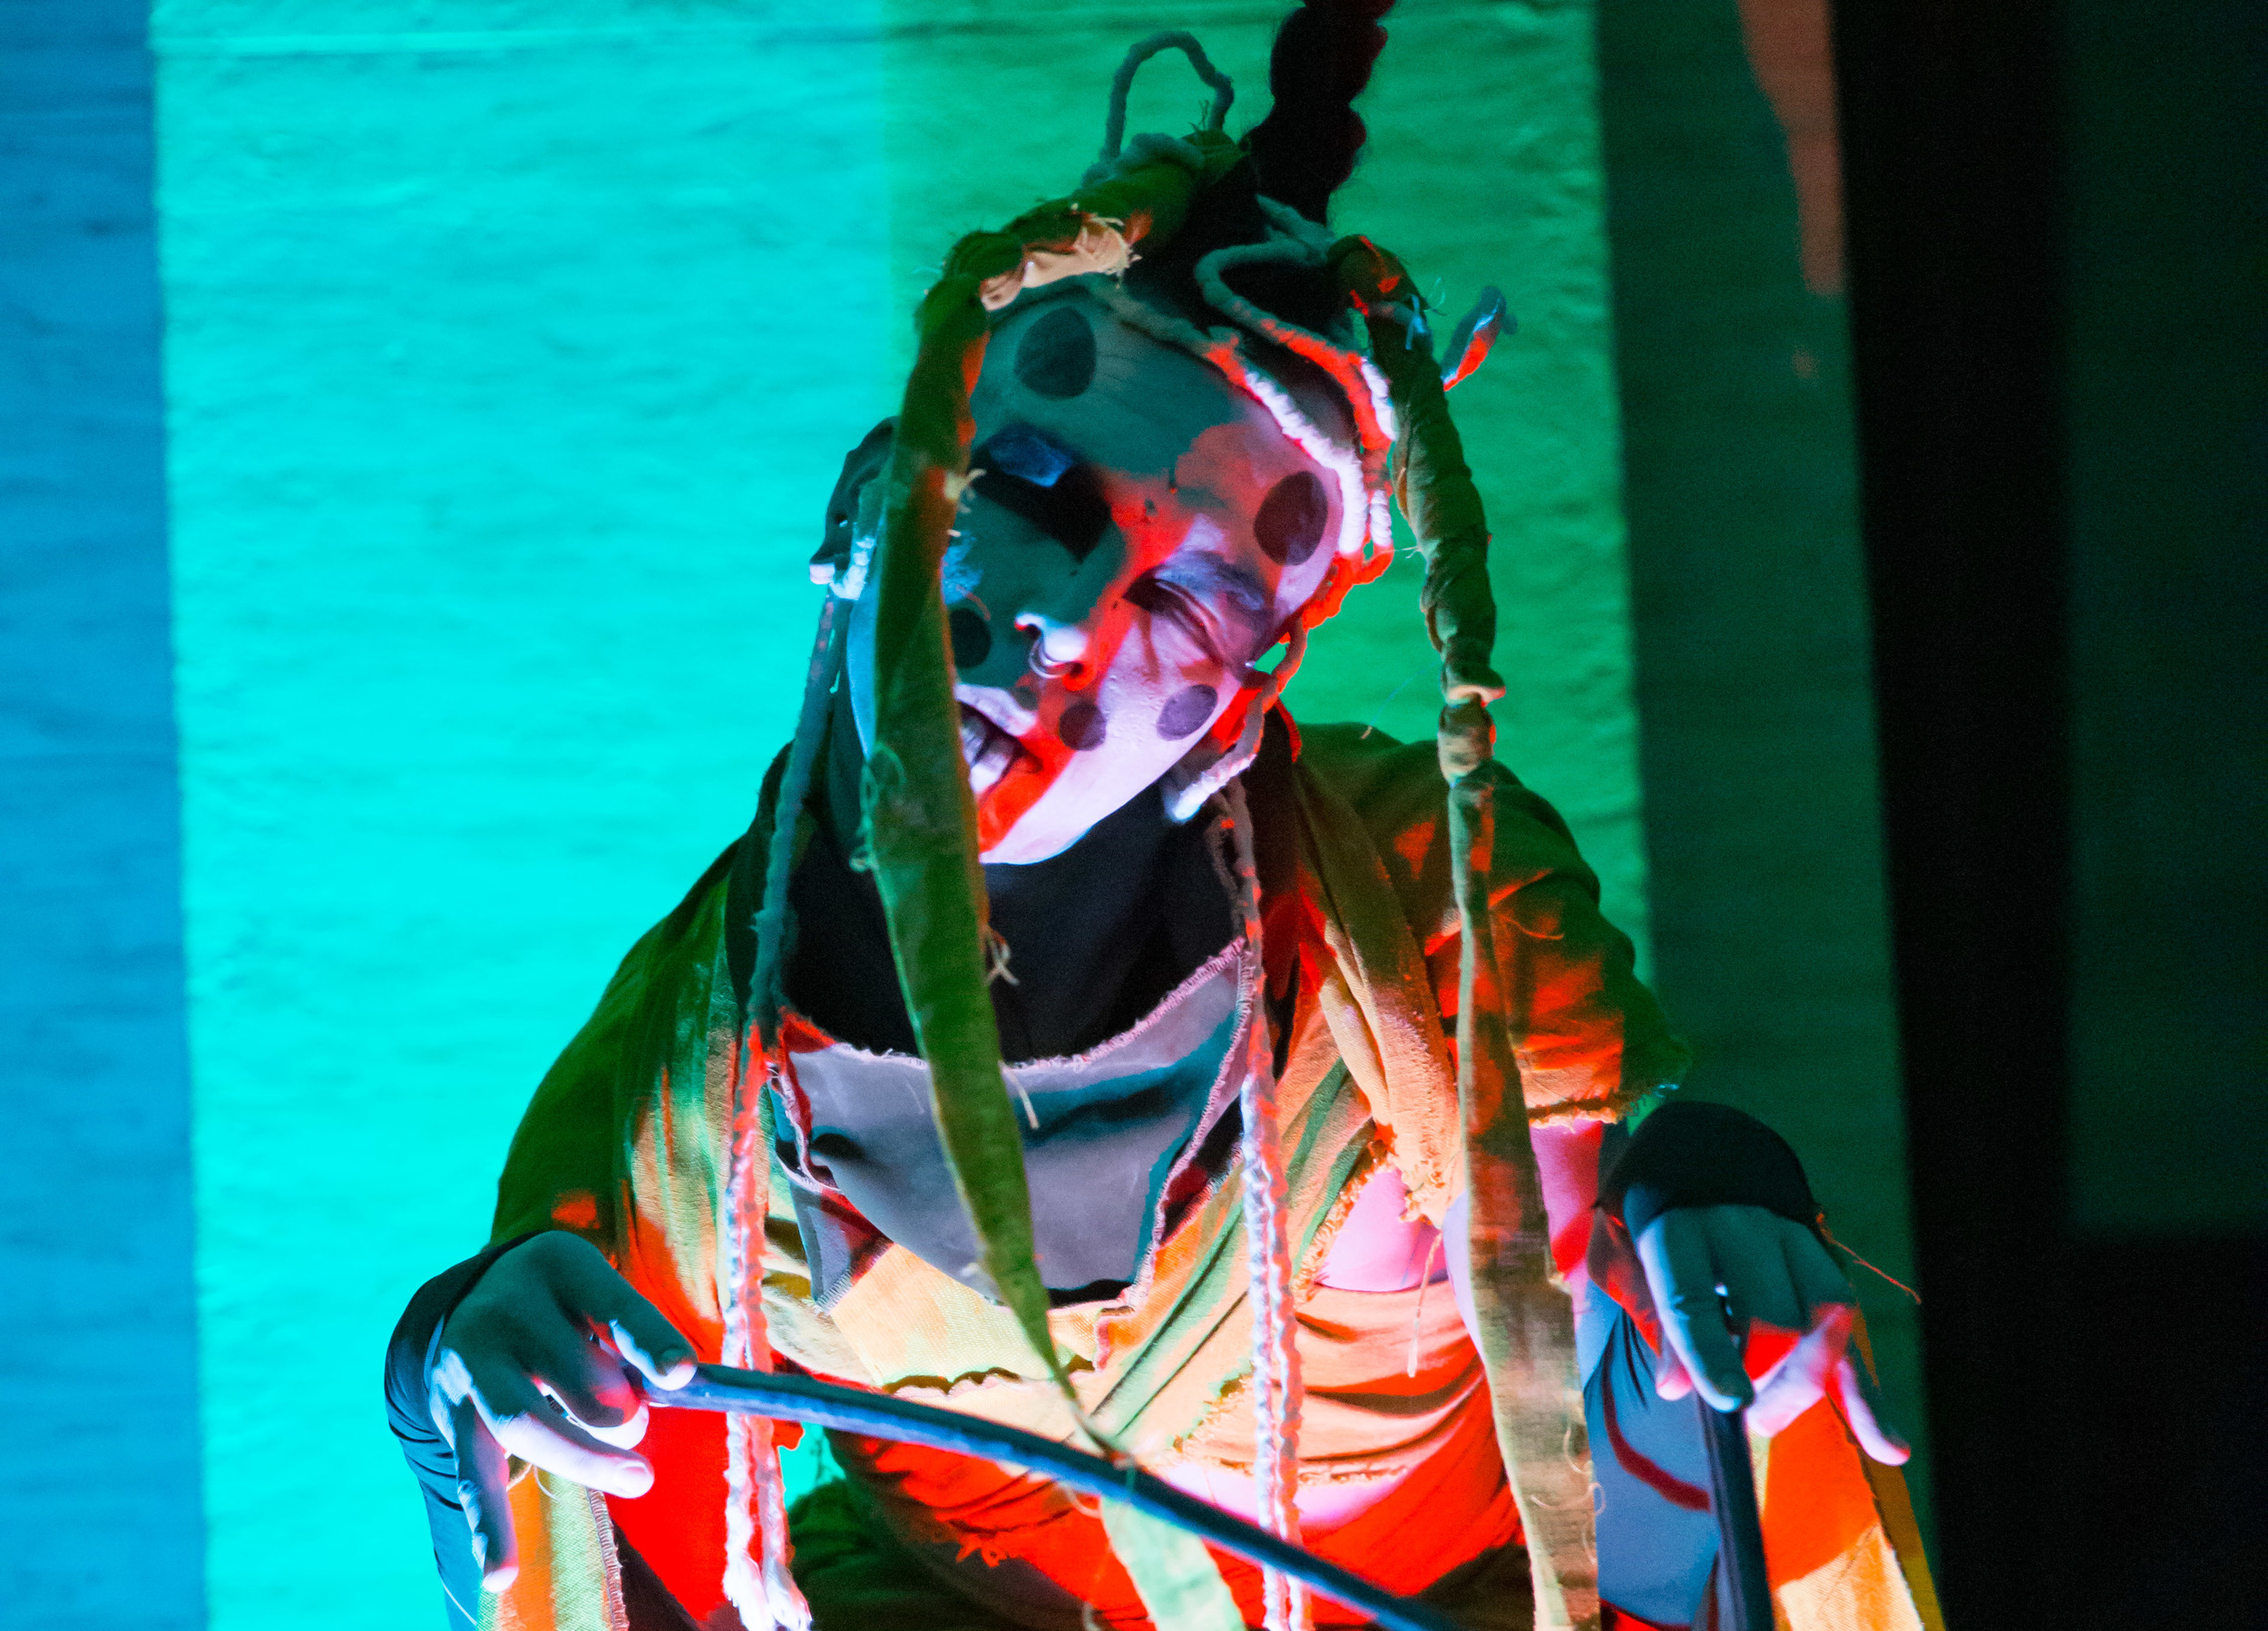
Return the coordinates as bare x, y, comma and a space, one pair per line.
587, 1380
1828, 1296
1819, 1282
483, 1480
1801, 1378
635, 1326
1671, 1379
664, 1358
1861, 1398
534, 1428
1683, 1276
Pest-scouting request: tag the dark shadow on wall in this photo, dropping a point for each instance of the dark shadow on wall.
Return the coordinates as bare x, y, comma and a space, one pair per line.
2166, 342
1771, 947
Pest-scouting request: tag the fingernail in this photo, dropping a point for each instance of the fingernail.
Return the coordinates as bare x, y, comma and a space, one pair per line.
500, 1578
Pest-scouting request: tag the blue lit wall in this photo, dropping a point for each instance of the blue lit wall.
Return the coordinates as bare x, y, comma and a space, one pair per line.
99, 1473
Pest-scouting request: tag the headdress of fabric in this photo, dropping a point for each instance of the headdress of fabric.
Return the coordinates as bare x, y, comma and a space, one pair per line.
919, 815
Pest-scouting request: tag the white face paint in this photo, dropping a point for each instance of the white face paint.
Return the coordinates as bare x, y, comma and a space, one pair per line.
1142, 531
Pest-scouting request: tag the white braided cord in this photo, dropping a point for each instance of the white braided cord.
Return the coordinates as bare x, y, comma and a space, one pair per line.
1275, 1381
757, 1548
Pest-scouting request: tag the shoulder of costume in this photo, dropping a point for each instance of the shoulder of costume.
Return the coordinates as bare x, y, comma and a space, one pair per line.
1395, 790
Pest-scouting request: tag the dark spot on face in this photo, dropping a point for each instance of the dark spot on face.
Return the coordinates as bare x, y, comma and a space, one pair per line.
972, 637
1081, 727
1292, 518
1186, 710
1056, 357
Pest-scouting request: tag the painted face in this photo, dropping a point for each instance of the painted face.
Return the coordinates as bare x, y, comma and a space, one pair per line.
1141, 531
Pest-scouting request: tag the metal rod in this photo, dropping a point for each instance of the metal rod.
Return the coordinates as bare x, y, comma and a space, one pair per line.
791, 1398
1743, 1590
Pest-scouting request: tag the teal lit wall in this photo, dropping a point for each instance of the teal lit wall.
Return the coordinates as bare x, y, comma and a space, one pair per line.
508, 368
511, 353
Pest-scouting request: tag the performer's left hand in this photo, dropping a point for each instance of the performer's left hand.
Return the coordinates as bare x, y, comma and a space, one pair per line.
1715, 1270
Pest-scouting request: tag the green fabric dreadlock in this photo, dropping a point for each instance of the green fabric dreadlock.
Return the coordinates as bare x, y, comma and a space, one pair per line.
1527, 1329
920, 818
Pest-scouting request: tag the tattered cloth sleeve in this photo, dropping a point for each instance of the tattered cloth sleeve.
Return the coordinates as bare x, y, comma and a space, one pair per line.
602, 1151
628, 1143
625, 1144
1587, 1035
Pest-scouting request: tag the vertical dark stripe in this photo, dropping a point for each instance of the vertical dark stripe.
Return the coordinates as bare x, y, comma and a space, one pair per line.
100, 1519
1951, 143
2168, 393
2168, 365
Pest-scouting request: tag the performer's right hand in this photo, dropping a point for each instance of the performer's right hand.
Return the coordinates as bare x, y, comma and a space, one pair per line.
531, 1365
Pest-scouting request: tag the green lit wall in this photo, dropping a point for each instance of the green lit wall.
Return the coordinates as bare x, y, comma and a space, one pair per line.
512, 349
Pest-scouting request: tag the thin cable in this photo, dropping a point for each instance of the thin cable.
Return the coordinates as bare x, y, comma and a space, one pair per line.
1829, 1236
788, 1397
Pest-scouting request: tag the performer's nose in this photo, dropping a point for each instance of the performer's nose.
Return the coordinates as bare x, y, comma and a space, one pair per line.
1059, 650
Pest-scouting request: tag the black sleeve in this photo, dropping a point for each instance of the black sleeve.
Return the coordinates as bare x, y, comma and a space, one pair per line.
408, 1361
1690, 1153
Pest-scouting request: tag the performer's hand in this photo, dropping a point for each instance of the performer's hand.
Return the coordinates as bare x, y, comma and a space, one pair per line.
531, 1365
1714, 1269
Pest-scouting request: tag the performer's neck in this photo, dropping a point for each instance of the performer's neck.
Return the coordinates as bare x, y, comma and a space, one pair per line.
1095, 935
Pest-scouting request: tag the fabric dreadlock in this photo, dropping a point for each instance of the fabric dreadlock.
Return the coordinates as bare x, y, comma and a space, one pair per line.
918, 812
1122, 86
1306, 147
1527, 1334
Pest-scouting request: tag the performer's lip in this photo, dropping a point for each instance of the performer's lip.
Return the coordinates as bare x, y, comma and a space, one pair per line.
989, 751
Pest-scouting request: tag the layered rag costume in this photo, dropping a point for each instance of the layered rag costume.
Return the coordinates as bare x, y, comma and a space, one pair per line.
1405, 965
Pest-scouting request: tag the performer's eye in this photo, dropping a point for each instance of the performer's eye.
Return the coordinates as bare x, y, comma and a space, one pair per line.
1162, 597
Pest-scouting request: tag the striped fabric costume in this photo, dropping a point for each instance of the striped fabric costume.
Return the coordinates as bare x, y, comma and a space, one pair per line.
1417, 972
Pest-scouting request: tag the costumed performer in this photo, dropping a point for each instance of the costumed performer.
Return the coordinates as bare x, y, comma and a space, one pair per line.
1075, 1041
